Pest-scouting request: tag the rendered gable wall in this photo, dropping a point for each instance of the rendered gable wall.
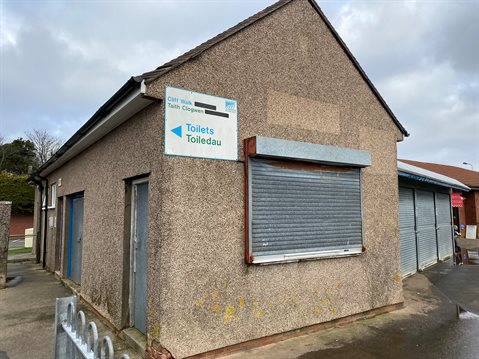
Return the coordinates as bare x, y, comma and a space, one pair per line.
292, 81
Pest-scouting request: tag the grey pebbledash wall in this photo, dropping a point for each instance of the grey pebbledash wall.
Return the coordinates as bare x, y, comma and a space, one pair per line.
293, 81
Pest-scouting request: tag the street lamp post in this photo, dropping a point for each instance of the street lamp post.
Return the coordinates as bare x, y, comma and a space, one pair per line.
469, 164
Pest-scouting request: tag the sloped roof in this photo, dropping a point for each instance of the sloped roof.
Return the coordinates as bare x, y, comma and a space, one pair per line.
419, 173
167, 67
468, 177
148, 77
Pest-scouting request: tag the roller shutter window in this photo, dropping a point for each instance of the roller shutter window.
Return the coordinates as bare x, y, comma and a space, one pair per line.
407, 232
426, 229
444, 225
302, 210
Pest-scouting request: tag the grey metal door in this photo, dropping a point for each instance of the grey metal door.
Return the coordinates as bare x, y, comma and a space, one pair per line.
76, 239
426, 229
139, 257
407, 232
443, 225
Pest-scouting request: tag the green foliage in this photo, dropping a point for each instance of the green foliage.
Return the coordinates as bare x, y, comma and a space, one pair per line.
17, 156
19, 251
18, 190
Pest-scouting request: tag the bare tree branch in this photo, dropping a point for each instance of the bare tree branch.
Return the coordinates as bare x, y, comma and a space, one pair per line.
45, 144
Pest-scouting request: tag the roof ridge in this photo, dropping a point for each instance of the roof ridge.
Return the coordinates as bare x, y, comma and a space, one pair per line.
439, 164
170, 65
160, 70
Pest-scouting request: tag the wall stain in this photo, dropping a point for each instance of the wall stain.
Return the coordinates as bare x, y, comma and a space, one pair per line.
259, 313
228, 314
242, 303
156, 331
317, 309
215, 295
200, 302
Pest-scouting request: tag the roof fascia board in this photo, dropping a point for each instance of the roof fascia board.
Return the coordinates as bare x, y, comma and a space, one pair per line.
121, 112
405, 169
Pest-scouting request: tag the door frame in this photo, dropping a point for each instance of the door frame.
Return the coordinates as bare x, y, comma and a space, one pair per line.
59, 234
131, 294
70, 228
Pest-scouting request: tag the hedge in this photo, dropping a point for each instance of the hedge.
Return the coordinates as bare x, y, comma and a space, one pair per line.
18, 190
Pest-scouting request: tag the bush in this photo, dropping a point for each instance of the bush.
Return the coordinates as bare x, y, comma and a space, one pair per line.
18, 190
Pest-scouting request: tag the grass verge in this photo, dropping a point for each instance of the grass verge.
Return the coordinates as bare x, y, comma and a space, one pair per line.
19, 251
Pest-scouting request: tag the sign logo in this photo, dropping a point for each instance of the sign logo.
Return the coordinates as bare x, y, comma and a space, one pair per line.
230, 106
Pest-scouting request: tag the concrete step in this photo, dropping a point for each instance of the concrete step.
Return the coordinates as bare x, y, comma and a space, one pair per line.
136, 340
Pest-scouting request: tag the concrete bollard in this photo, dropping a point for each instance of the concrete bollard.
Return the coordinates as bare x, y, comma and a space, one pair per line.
5, 209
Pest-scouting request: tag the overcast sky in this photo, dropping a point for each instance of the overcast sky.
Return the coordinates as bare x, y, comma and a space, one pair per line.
61, 60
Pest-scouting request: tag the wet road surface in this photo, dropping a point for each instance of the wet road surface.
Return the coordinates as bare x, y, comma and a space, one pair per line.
427, 328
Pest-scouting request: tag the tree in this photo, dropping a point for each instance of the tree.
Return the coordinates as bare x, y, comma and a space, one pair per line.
45, 144
17, 156
18, 190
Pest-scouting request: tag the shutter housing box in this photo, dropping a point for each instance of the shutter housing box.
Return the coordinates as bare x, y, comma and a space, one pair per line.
303, 200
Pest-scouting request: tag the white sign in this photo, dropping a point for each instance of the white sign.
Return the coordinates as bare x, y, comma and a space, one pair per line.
471, 231
199, 125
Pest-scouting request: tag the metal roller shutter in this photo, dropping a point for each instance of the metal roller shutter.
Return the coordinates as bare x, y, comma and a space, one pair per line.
426, 229
407, 232
300, 209
444, 225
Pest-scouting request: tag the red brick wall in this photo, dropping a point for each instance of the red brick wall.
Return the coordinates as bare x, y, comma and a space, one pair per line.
471, 207
462, 220
476, 201
19, 222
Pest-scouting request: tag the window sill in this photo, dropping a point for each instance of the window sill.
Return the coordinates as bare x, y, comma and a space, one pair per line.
296, 257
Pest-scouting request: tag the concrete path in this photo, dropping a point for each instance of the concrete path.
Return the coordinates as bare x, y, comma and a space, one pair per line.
22, 257
27, 313
427, 328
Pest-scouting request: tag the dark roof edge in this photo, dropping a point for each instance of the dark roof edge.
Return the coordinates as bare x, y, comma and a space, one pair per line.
104, 110
198, 50
420, 178
359, 68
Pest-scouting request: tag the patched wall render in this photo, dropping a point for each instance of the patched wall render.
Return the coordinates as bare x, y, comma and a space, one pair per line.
206, 297
201, 294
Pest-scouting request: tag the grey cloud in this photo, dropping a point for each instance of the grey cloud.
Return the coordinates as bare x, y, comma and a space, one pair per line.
70, 57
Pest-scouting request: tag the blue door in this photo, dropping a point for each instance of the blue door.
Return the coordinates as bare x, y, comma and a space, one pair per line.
75, 239
139, 254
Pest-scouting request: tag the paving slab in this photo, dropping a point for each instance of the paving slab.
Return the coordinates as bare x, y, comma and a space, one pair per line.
27, 315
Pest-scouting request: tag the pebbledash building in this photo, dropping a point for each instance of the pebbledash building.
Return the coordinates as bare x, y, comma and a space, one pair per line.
236, 195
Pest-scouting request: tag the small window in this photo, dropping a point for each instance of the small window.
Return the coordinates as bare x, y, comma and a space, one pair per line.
302, 210
53, 196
